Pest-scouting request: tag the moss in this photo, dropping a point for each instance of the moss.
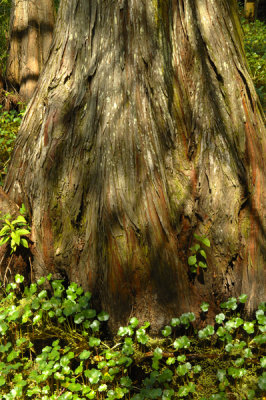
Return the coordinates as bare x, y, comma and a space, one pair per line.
207, 381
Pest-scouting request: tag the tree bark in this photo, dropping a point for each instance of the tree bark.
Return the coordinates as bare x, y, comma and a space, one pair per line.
251, 9
31, 30
145, 128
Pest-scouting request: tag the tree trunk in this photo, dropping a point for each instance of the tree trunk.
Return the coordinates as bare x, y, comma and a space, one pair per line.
251, 9
145, 128
31, 30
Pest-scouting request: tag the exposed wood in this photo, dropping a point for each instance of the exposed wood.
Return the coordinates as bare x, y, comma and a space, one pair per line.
144, 129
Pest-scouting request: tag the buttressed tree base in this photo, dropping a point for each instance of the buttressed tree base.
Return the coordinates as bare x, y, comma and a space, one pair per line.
145, 129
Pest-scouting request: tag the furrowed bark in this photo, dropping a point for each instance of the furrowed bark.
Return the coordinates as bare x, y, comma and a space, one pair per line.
31, 30
145, 128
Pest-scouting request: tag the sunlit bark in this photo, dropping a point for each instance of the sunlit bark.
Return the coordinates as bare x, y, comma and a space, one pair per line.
145, 128
31, 29
251, 9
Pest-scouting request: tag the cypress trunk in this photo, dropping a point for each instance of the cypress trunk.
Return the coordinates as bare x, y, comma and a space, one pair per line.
251, 9
145, 129
31, 30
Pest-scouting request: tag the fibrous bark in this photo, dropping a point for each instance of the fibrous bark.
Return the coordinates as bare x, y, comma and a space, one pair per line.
145, 129
31, 30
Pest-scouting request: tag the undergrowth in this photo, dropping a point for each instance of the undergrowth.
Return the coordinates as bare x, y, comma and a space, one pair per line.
54, 346
254, 41
9, 125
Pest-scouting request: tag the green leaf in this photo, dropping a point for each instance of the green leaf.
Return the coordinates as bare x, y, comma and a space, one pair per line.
4, 230
16, 237
103, 316
141, 336
230, 304
262, 381
204, 306
260, 339
239, 362
12, 355
192, 260
203, 240
2, 381
251, 394
263, 362
102, 388
204, 333
202, 265
19, 278
22, 209
181, 343
195, 248
261, 317
170, 360
175, 322
85, 355
249, 327
74, 387
158, 353
219, 318
94, 342
242, 298
203, 254
22, 231
95, 326
134, 322
197, 369
41, 281
262, 306
186, 318
42, 294
206, 242
79, 369
4, 240
247, 353
21, 219
167, 331
183, 391
229, 347
24, 243
93, 374
168, 394
37, 318
78, 318
236, 372
126, 381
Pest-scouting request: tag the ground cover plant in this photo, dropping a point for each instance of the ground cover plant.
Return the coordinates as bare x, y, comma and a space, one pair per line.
53, 345
9, 125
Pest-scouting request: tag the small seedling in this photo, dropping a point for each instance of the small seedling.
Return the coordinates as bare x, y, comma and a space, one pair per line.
198, 258
13, 231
